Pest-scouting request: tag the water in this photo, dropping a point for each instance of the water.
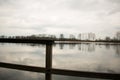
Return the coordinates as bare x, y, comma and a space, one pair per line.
95, 57
88, 57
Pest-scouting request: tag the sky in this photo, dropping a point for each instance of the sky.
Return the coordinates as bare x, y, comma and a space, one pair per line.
27, 17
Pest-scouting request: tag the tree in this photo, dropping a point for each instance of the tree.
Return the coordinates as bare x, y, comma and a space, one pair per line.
107, 38
2, 36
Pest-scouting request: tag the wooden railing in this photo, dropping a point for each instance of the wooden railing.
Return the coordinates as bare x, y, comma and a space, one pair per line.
48, 70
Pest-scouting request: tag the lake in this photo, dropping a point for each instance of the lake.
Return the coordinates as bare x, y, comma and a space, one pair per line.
95, 57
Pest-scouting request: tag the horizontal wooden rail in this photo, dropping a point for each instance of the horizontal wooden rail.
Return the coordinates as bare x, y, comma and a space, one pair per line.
113, 76
86, 74
22, 67
41, 41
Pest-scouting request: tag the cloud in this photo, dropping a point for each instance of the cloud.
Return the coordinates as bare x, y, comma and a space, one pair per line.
65, 16
118, 27
4, 2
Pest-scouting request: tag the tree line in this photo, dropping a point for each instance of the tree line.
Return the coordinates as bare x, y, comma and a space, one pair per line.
81, 36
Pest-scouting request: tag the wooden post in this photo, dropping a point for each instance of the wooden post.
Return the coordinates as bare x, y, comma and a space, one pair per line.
48, 61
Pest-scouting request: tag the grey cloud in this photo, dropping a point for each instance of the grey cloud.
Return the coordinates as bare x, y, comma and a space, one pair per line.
118, 28
2, 2
115, 1
57, 15
115, 6
108, 6
114, 11
37, 28
83, 4
7, 2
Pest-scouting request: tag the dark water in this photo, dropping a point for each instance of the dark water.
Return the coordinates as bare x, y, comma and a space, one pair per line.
96, 57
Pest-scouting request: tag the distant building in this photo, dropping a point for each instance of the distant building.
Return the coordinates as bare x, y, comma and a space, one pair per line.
72, 36
87, 36
61, 36
91, 36
118, 35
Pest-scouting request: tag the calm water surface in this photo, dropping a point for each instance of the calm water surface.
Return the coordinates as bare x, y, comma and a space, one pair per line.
96, 57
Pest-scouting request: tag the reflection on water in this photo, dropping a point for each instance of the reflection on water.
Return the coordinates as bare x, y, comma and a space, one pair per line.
83, 47
97, 57
90, 47
62, 77
11, 74
117, 48
28, 54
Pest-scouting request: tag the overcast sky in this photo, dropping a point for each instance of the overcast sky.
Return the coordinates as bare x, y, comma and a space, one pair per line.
26, 17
